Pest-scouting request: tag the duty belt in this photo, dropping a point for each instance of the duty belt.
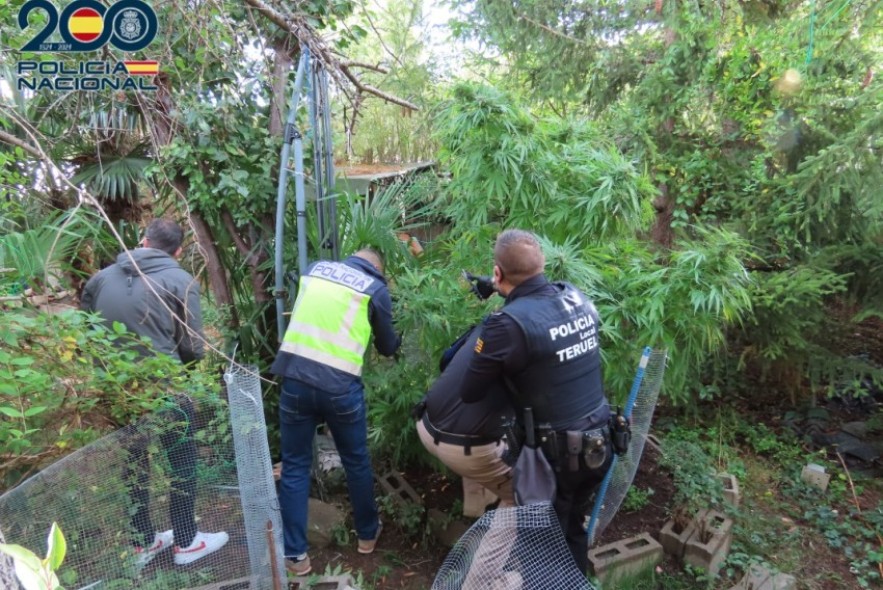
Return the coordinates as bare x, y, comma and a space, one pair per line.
461, 440
572, 447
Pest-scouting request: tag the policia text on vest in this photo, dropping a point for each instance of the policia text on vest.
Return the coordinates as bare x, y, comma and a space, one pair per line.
340, 273
584, 325
330, 323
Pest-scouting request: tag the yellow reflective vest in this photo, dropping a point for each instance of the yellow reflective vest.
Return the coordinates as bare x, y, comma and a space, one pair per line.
329, 323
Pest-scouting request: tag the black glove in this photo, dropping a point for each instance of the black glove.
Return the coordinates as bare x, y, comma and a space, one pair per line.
418, 409
482, 286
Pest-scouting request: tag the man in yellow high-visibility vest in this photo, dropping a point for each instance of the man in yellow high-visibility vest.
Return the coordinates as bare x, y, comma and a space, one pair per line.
338, 306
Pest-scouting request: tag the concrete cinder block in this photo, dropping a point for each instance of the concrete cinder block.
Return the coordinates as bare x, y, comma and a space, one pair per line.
628, 557
732, 495
397, 488
672, 541
760, 578
325, 583
446, 530
815, 476
323, 519
238, 584
708, 548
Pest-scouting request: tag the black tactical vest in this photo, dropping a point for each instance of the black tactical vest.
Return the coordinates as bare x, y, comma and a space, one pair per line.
562, 381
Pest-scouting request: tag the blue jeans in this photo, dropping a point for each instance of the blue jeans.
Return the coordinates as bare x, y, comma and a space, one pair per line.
301, 409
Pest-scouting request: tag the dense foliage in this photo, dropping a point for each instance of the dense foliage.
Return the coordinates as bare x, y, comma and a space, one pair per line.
708, 173
67, 378
762, 118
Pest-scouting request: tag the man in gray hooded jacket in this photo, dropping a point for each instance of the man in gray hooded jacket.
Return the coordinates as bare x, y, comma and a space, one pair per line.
148, 291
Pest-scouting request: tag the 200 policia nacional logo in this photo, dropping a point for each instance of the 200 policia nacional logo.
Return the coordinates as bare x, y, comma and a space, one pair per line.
88, 25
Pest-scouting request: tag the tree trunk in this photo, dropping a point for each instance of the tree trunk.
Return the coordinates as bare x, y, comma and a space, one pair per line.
282, 62
217, 275
162, 126
664, 204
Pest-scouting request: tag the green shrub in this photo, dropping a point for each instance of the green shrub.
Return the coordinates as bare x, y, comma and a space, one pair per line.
637, 499
794, 337
694, 475
509, 166
683, 304
66, 379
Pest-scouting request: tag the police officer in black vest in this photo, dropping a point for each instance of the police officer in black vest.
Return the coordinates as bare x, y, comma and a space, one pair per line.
545, 343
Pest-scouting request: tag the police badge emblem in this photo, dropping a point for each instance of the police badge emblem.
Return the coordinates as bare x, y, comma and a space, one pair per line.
130, 25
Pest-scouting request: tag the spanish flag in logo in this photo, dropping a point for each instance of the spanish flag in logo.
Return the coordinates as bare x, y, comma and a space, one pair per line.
85, 24
142, 68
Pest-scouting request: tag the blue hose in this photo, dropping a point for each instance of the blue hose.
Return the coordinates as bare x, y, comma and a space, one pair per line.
630, 404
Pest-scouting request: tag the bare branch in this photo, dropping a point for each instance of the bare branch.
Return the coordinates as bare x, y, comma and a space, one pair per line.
368, 89
298, 27
359, 64
379, 36
549, 29
13, 140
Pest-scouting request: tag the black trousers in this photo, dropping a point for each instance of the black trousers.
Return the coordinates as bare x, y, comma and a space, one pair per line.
172, 429
574, 494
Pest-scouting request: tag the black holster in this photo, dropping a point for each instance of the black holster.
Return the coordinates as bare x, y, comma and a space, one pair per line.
514, 435
620, 433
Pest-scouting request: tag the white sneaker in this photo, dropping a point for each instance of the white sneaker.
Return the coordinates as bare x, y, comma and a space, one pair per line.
161, 542
202, 545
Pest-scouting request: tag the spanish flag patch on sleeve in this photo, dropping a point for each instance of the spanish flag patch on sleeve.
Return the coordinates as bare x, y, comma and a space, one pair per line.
479, 344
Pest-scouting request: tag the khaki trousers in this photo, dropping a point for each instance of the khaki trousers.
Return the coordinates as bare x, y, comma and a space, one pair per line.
483, 467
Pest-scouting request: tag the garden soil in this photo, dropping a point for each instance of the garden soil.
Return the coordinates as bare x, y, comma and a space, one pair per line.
403, 562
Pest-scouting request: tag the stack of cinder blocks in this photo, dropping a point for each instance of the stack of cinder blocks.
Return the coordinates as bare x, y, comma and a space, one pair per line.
625, 558
703, 543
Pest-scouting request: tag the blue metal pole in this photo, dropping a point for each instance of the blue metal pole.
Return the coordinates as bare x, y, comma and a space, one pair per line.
630, 404
318, 156
290, 134
329, 167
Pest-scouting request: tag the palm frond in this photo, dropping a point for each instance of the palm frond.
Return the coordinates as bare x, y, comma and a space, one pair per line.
375, 221
114, 178
35, 257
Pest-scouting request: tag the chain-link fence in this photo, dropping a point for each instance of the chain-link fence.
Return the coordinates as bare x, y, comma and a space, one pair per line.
639, 409
164, 503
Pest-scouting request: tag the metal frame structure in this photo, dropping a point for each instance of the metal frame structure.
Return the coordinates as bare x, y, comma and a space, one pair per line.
312, 78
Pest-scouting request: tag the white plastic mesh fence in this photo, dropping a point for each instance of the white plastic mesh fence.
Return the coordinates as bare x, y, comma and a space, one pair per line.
260, 506
173, 470
625, 466
519, 548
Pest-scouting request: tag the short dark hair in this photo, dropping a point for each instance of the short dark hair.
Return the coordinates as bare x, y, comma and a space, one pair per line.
165, 234
372, 255
519, 255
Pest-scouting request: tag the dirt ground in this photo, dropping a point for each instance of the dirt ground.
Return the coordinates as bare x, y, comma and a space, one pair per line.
403, 563
368, 169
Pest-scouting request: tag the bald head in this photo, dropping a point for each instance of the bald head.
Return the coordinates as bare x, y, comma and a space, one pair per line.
518, 255
371, 256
